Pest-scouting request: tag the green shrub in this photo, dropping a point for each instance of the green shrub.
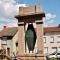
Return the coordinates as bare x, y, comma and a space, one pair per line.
53, 58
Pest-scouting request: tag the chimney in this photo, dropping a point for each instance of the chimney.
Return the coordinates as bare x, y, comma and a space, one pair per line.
59, 25
4, 27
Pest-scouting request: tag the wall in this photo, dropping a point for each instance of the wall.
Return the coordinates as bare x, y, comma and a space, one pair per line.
9, 44
14, 39
54, 44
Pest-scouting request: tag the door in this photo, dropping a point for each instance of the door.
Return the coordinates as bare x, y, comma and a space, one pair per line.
8, 51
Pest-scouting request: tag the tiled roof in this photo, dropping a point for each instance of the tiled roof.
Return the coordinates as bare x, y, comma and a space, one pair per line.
12, 30
9, 31
52, 29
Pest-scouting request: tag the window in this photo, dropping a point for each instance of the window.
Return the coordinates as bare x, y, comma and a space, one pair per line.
54, 49
58, 48
45, 50
58, 38
51, 39
4, 40
44, 39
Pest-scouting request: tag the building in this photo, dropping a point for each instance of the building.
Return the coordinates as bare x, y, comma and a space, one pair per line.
8, 39
51, 39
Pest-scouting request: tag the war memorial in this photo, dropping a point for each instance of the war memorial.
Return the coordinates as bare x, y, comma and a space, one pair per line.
32, 36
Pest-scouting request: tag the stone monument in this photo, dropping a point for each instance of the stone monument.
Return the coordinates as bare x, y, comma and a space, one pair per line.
33, 36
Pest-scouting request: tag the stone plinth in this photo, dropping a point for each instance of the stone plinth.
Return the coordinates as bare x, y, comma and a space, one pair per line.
31, 57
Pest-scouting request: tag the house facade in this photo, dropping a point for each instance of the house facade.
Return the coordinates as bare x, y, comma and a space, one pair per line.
8, 38
51, 39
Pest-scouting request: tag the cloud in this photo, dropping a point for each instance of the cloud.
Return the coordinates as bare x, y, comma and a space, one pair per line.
49, 16
9, 1
8, 9
12, 24
49, 19
21, 5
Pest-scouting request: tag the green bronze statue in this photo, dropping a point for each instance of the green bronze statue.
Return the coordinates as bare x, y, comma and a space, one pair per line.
30, 37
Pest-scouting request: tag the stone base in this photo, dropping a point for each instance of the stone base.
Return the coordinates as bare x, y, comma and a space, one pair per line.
31, 57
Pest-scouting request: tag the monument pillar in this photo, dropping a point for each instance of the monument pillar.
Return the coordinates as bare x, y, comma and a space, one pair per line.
21, 38
39, 32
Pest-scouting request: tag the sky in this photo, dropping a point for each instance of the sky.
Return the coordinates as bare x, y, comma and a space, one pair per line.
10, 8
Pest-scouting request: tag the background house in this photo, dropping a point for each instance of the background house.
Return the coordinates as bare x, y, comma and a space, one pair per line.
8, 38
51, 39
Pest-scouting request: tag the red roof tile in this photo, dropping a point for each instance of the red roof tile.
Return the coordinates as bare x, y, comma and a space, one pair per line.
52, 29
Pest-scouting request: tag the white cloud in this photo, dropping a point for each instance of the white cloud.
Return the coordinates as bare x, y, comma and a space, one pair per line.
21, 5
8, 9
9, 1
14, 24
49, 16
49, 19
